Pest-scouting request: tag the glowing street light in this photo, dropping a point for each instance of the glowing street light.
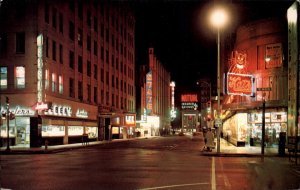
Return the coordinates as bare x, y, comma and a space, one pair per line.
218, 20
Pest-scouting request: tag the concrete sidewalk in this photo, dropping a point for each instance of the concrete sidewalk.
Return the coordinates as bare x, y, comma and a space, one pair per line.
228, 149
56, 148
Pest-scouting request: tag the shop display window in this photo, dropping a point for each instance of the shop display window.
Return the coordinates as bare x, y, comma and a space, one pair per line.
75, 130
53, 131
92, 132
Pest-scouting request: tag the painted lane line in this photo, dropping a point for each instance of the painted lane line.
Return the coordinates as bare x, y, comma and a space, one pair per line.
213, 174
170, 186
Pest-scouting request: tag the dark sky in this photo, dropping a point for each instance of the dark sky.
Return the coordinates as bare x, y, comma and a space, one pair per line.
182, 38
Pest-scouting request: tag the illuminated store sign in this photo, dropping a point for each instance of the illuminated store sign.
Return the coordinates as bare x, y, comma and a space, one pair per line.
239, 84
81, 113
19, 111
115, 121
189, 105
59, 110
149, 92
189, 98
172, 112
41, 106
40, 68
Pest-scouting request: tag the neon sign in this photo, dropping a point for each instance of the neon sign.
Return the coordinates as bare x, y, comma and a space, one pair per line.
149, 92
239, 84
189, 98
59, 110
40, 68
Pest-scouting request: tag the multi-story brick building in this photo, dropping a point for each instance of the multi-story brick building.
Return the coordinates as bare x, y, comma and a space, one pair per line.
257, 72
155, 98
67, 68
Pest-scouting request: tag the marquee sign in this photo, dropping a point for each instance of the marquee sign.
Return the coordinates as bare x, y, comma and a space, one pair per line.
189, 101
239, 84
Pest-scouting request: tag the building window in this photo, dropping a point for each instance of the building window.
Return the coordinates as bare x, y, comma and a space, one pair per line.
117, 83
102, 96
95, 95
89, 18
107, 98
80, 67
107, 35
107, 57
112, 81
53, 50
88, 42
72, 5
80, 91
102, 53
89, 93
117, 101
20, 42
61, 54
95, 24
3, 77
89, 68
102, 75
20, 77
71, 59
80, 10
113, 100
112, 40
124, 86
71, 31
54, 17
47, 13
95, 71
71, 88
47, 47
112, 60
3, 43
102, 30
107, 78
95, 48
53, 82
46, 79
61, 23
60, 84
117, 63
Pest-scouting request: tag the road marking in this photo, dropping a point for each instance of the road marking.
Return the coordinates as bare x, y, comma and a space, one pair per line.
213, 174
170, 186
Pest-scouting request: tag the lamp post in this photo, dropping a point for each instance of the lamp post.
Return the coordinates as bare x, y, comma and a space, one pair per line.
218, 20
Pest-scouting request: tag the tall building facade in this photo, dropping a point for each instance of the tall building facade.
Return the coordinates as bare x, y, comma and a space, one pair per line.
67, 68
155, 96
257, 73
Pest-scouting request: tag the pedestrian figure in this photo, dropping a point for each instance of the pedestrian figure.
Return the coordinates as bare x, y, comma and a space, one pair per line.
209, 136
85, 139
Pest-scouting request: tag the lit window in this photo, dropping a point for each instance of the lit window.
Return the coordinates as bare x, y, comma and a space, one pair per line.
53, 82
3, 77
61, 84
46, 79
20, 77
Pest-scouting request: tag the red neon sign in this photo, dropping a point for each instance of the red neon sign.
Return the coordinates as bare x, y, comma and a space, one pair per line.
239, 84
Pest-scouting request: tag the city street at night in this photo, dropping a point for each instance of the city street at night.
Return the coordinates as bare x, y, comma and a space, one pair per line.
174, 162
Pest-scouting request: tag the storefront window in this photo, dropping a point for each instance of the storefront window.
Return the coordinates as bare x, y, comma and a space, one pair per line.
75, 130
92, 132
53, 131
3, 77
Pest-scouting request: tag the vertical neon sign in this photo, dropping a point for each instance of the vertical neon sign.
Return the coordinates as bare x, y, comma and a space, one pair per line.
40, 68
149, 92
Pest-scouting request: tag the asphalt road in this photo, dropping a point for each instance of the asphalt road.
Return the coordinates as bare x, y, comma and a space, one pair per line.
174, 163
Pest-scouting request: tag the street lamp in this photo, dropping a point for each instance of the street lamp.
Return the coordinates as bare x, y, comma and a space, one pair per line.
218, 19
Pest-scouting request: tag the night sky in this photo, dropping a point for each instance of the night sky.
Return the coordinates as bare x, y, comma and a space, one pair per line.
182, 38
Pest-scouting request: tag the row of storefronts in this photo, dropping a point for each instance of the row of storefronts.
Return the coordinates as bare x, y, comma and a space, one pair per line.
246, 128
63, 123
